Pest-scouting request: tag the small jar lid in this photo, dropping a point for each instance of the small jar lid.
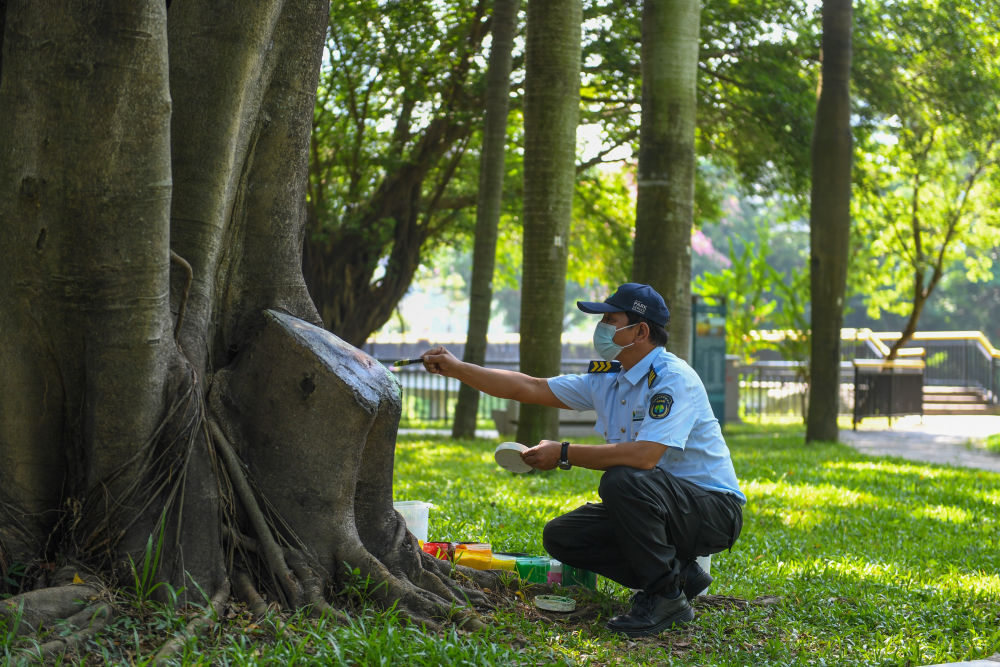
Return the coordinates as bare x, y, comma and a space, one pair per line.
555, 603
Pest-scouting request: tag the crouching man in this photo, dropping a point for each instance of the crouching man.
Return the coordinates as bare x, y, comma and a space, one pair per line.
669, 492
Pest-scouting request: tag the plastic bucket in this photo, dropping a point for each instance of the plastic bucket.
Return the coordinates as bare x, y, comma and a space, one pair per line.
415, 513
706, 564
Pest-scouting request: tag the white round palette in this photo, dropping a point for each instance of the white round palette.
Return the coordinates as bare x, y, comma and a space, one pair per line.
508, 457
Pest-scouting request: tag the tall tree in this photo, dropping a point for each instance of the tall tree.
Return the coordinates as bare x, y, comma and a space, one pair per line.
665, 180
161, 373
830, 219
399, 102
491, 168
551, 110
930, 167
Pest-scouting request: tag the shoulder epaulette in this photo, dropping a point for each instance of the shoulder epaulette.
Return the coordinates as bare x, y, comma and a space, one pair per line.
604, 367
651, 376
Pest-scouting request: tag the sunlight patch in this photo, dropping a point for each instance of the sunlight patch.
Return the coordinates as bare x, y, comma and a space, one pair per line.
810, 494
950, 514
922, 470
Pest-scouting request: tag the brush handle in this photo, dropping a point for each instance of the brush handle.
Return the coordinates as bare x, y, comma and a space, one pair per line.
407, 362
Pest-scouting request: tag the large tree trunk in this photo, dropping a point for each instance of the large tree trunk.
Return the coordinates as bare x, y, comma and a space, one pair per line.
665, 200
491, 165
152, 208
830, 220
551, 110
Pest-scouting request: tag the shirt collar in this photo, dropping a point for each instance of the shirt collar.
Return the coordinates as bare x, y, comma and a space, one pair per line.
641, 369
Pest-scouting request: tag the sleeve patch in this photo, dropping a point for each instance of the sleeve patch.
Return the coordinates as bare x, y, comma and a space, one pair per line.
659, 405
604, 367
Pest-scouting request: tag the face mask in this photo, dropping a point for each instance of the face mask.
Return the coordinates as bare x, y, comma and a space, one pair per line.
603, 340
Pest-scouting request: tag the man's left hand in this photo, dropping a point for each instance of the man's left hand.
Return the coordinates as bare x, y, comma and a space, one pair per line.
544, 455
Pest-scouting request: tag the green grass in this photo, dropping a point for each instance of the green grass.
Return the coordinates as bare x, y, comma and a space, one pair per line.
872, 561
992, 443
844, 560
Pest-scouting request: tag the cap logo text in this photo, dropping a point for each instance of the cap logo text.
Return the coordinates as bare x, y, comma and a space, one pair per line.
639, 307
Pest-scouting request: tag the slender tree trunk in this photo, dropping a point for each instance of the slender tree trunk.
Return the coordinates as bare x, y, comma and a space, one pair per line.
551, 112
665, 201
491, 165
830, 219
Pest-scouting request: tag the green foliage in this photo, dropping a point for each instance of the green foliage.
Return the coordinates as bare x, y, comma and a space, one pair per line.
744, 285
389, 76
9, 625
992, 443
13, 578
756, 86
927, 169
793, 317
144, 574
760, 296
758, 71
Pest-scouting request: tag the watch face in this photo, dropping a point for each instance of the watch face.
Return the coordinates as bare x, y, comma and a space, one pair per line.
565, 465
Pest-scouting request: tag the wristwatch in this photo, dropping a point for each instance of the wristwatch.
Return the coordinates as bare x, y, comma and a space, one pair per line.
564, 463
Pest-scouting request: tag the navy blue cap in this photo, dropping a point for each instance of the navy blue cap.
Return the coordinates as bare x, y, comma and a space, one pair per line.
631, 298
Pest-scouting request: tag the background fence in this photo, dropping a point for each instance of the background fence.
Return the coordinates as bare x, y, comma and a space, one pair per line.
768, 387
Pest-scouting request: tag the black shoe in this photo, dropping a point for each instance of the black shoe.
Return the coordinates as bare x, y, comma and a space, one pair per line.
693, 580
651, 614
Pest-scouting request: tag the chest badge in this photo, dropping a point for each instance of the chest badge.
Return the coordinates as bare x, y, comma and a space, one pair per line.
659, 406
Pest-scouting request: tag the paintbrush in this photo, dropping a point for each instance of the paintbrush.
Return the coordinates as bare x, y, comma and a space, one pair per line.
407, 362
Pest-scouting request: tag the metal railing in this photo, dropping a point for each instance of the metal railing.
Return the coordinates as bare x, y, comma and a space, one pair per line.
777, 388
959, 359
429, 400
766, 388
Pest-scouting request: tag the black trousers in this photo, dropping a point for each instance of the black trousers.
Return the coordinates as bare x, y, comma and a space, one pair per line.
647, 527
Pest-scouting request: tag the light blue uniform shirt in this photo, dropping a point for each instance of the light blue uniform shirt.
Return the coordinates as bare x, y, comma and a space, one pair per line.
660, 399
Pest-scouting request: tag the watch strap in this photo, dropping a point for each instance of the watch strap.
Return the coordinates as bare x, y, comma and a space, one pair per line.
564, 456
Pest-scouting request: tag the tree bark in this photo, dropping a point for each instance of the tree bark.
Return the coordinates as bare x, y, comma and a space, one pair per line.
551, 110
155, 166
665, 199
491, 166
830, 220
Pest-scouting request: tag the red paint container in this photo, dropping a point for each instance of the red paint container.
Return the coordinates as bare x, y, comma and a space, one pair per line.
437, 549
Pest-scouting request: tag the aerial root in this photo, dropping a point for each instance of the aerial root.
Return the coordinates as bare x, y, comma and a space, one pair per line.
203, 621
73, 606
271, 551
188, 279
247, 592
312, 585
30, 611
84, 624
206, 620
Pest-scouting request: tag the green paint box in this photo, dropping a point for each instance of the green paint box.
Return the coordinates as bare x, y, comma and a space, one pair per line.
576, 576
533, 568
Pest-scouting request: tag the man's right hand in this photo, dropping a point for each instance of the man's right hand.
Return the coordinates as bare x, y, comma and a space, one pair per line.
498, 382
440, 361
